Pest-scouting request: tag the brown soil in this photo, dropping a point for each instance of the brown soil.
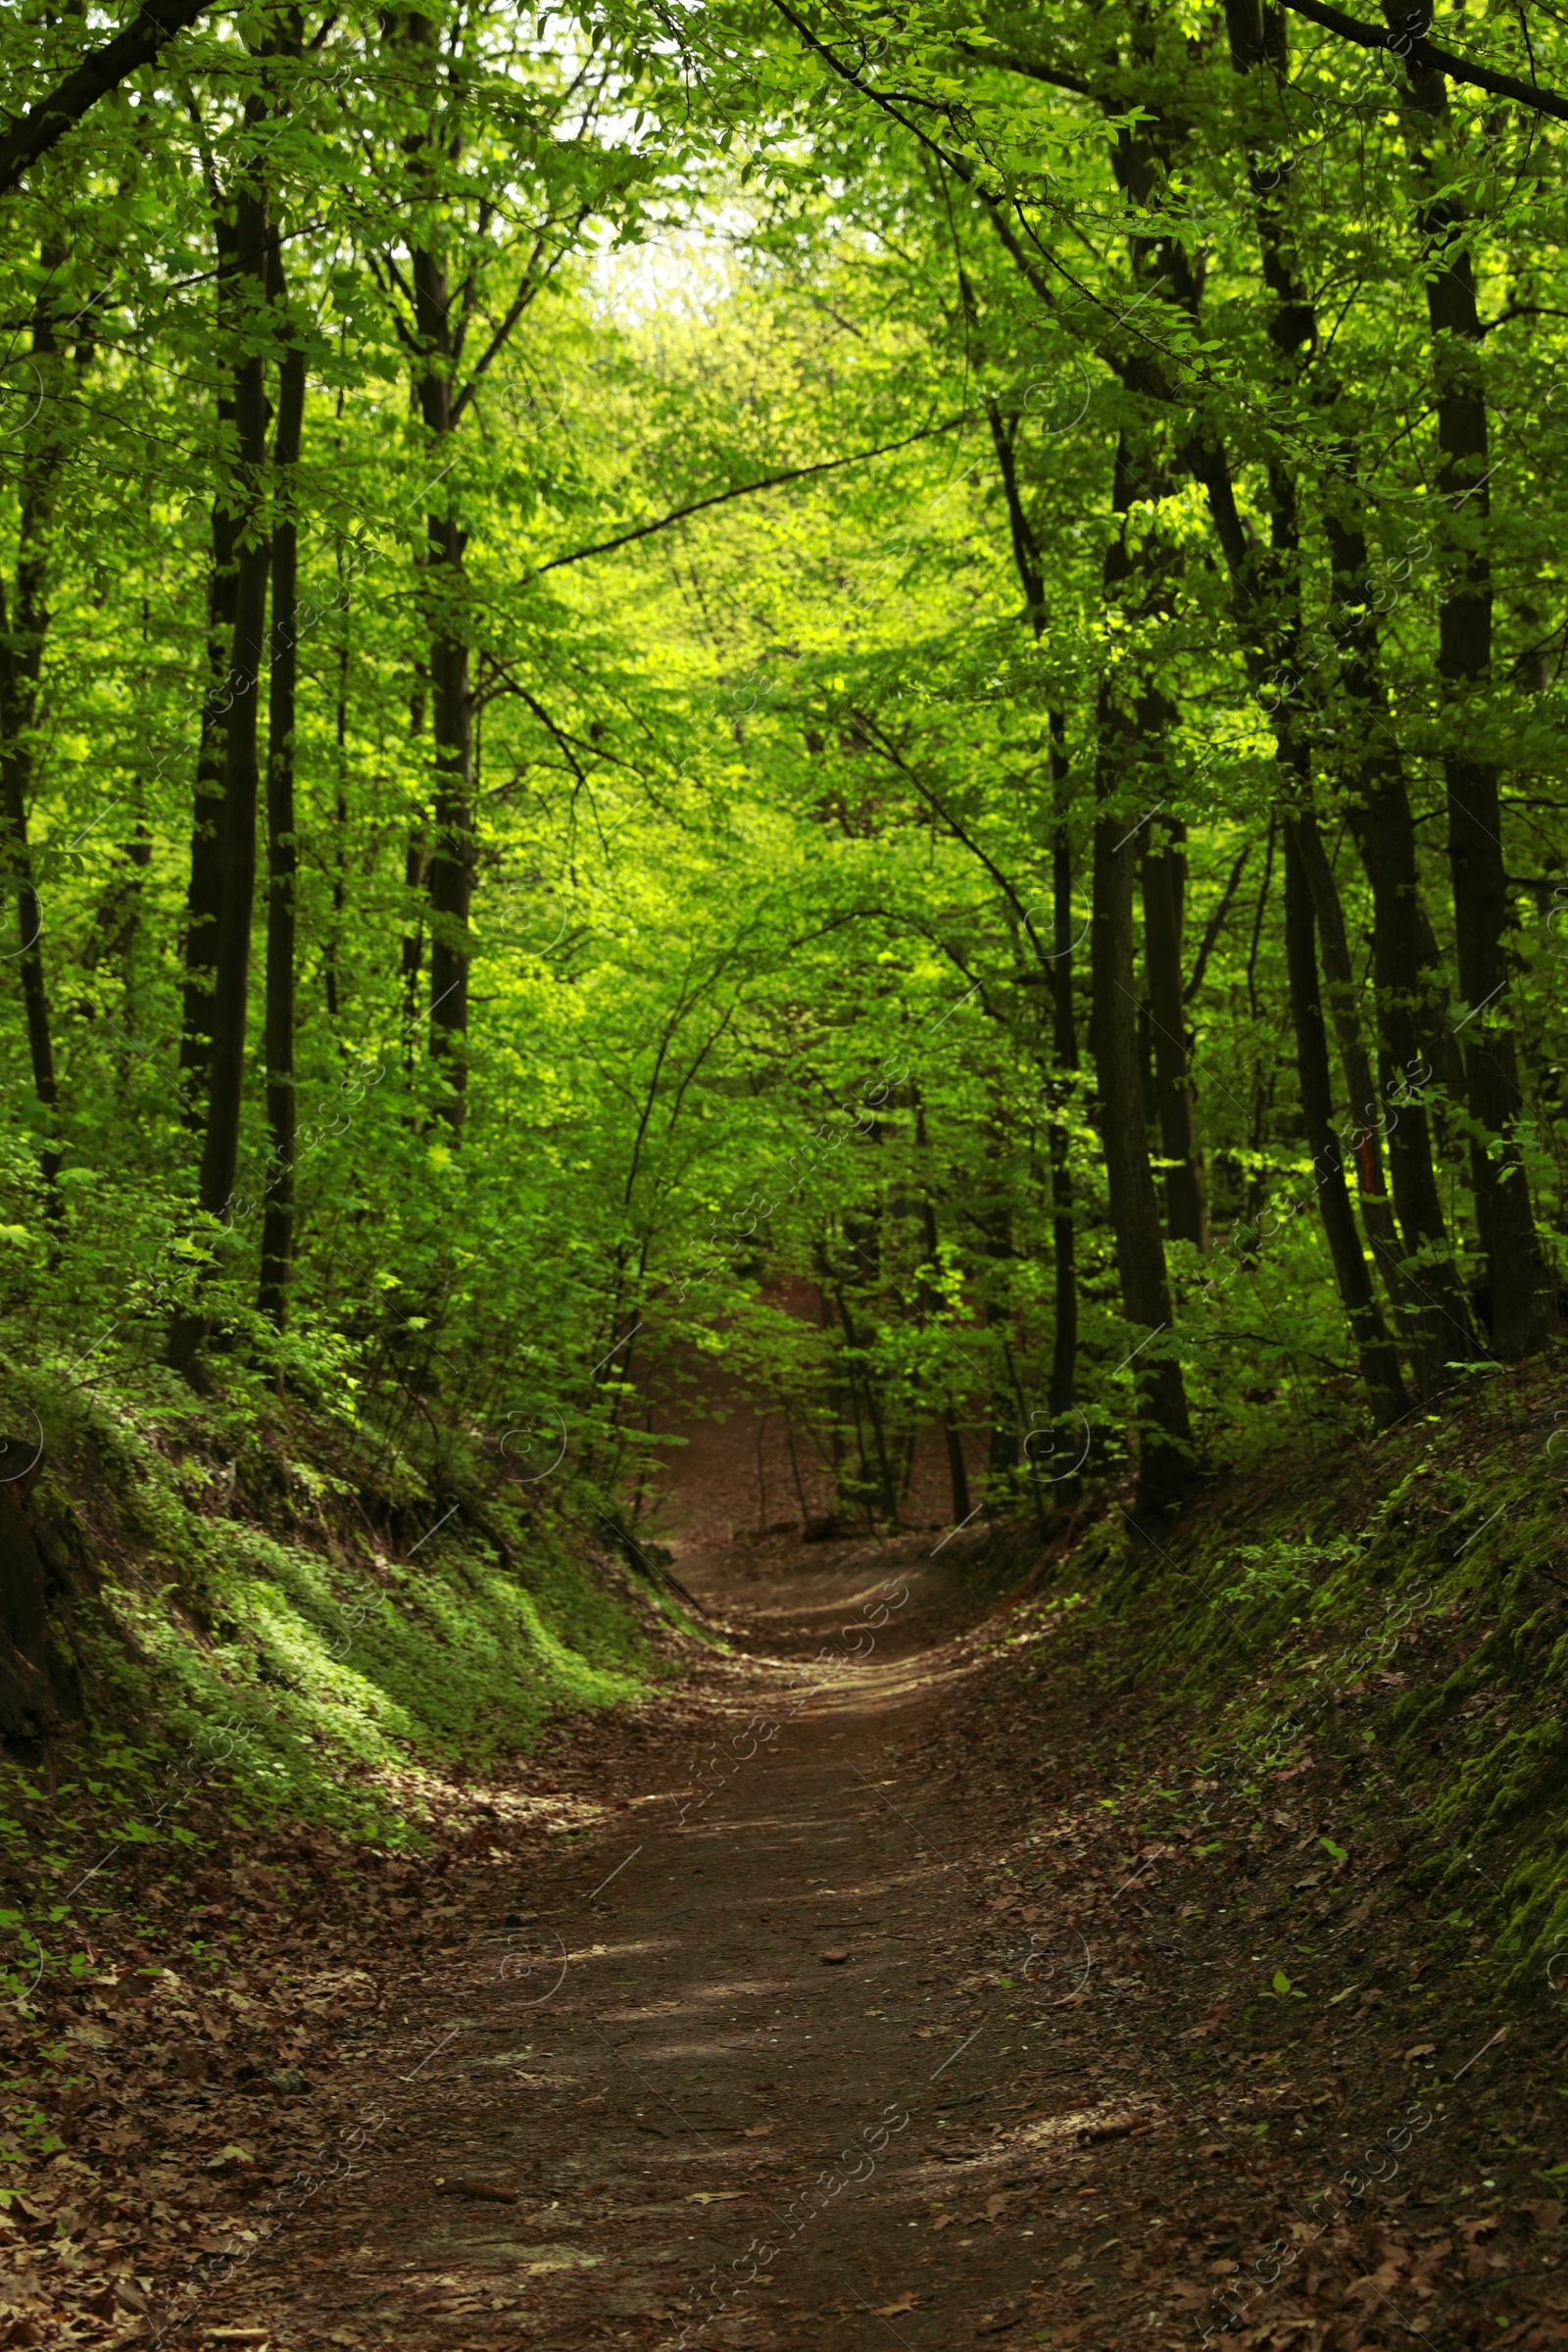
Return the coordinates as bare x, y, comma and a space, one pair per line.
889, 2034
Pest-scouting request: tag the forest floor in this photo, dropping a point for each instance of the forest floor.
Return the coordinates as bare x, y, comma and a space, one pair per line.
893, 2032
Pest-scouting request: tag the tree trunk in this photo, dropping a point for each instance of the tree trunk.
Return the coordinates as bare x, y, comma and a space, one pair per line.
1063, 1392
1379, 1359
204, 888
1164, 881
1126, 744
22, 653
952, 1435
1406, 955
1516, 1273
930, 1306
282, 861
450, 868
1412, 1030
1365, 1136
1064, 1238
241, 771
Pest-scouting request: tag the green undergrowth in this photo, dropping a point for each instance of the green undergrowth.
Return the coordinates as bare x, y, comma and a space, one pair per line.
1398, 1611
316, 1618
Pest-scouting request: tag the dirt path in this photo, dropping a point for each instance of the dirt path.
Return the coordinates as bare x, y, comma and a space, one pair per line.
852, 2017
715, 2060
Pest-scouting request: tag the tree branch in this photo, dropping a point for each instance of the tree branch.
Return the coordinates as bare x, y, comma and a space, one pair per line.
1007, 61
796, 473
1417, 49
155, 23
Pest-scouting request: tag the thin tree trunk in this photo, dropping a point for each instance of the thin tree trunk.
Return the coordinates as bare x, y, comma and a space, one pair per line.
450, 868
1517, 1277
1063, 1391
1408, 996
881, 1481
930, 1299
331, 970
1125, 746
241, 770
1378, 1358
282, 857
1377, 1209
1413, 1034
1164, 889
204, 887
1063, 1231
22, 652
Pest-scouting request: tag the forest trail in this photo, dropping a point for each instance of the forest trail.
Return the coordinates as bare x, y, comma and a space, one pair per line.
887, 2034
677, 2034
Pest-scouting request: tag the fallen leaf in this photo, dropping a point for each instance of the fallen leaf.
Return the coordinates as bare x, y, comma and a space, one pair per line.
891, 2311
757, 2131
1421, 2049
995, 2323
228, 2156
715, 2196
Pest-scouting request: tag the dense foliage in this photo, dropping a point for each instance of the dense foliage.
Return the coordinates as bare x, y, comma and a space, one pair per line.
656, 655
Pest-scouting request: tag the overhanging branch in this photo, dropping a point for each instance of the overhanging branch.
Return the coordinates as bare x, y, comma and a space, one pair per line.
796, 473
153, 26
1417, 49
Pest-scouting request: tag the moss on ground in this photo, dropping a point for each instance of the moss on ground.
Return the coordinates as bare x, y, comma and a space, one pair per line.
295, 1610
1400, 1609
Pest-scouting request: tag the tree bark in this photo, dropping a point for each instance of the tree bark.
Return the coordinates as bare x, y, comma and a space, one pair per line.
1365, 1136
1404, 948
204, 888
1164, 888
930, 1306
1520, 1288
1063, 1392
1412, 1030
1378, 1358
241, 768
1064, 1047
22, 652
282, 857
450, 866
101, 70
1126, 744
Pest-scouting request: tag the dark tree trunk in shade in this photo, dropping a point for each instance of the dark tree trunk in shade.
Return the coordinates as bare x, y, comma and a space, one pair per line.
930, 1306
1412, 1026
24, 636
1362, 1134
1379, 1358
1416, 1044
1064, 1048
203, 886
1126, 747
282, 856
449, 871
1164, 888
1063, 1392
1482, 908
241, 770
